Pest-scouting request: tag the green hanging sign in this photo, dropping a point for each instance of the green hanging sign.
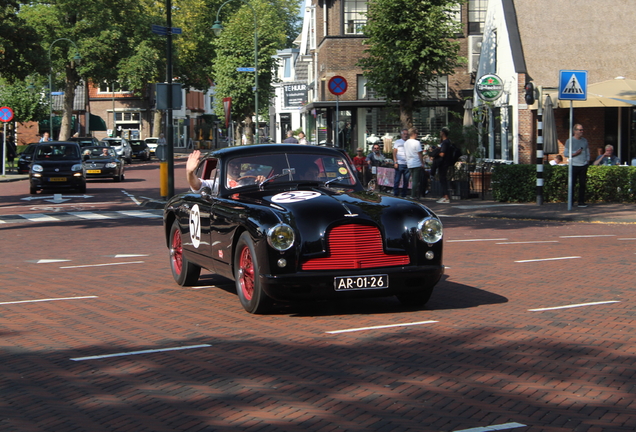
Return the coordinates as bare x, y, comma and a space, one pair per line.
489, 87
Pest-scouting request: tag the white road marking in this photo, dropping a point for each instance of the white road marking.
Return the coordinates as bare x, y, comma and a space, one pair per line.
547, 259
47, 300
475, 240
140, 352
39, 217
626, 239
132, 197
48, 261
529, 242
380, 327
139, 213
201, 287
102, 265
503, 426
130, 255
89, 215
574, 306
589, 236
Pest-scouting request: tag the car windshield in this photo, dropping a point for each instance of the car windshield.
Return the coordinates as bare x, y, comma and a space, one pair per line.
98, 152
137, 146
249, 170
57, 152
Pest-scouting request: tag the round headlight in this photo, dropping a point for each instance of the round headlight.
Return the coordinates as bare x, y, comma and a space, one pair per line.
280, 237
430, 230
37, 168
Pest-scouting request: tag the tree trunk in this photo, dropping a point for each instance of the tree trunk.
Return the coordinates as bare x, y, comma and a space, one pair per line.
249, 132
406, 112
156, 124
70, 81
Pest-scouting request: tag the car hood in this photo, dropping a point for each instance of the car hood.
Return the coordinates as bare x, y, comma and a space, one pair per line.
51, 165
316, 209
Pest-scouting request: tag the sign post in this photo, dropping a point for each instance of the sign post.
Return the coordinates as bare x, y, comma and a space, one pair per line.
572, 86
337, 86
6, 115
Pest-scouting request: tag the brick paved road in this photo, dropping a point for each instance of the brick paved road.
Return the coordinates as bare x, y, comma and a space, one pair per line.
486, 360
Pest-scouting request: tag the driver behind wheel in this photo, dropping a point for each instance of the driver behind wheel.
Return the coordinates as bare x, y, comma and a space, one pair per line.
234, 177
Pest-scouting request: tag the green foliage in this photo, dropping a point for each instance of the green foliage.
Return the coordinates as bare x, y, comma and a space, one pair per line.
517, 183
411, 42
27, 105
21, 51
235, 48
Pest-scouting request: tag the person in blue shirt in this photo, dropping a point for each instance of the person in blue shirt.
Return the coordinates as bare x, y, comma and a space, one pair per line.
608, 157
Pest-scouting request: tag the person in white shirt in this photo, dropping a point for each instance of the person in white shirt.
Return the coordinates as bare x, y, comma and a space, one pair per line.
414, 161
401, 168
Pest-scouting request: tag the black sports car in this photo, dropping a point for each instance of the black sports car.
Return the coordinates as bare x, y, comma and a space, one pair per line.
102, 162
56, 165
292, 223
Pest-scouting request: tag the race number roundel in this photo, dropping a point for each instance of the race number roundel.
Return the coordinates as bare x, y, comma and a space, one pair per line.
337, 85
6, 114
195, 226
294, 196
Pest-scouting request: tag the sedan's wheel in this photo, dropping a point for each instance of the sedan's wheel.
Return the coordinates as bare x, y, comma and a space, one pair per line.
416, 299
33, 190
246, 272
184, 272
82, 188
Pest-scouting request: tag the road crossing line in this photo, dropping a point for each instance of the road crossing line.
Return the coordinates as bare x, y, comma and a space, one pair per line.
150, 351
87, 215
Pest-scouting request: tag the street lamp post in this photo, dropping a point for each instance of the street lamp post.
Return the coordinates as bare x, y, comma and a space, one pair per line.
218, 28
77, 58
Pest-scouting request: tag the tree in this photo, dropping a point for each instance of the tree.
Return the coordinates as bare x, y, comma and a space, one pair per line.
411, 42
111, 36
235, 48
21, 52
26, 104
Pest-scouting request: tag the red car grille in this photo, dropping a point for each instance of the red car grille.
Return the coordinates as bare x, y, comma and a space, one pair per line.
355, 247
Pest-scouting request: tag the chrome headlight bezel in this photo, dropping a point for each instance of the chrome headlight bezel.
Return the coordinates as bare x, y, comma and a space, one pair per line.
281, 237
110, 165
37, 168
430, 230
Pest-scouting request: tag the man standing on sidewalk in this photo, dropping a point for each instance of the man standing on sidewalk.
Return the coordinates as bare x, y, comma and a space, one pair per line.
401, 168
414, 161
580, 160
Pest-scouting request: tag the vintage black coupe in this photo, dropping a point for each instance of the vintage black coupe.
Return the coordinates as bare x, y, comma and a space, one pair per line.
291, 223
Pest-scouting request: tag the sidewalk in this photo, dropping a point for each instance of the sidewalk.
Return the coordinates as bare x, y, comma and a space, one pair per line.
600, 212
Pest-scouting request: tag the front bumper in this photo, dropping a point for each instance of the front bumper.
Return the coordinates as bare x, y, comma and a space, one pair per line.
57, 181
319, 285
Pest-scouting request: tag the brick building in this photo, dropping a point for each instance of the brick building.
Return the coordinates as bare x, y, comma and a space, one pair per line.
332, 44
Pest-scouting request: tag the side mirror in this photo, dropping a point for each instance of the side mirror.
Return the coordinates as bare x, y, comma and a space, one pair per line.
206, 193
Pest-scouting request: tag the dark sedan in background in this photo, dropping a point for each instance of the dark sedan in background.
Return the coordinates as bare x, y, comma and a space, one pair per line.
140, 150
56, 165
25, 158
102, 162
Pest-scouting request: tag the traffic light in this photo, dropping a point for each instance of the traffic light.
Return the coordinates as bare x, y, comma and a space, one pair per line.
530, 93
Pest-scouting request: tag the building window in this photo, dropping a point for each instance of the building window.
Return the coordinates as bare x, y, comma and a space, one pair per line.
287, 67
354, 16
364, 91
312, 29
116, 88
476, 16
436, 89
127, 117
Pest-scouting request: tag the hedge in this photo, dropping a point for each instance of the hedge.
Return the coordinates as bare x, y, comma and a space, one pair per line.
517, 183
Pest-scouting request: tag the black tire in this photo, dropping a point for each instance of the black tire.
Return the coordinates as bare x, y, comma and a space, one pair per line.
33, 190
416, 299
82, 188
246, 272
183, 271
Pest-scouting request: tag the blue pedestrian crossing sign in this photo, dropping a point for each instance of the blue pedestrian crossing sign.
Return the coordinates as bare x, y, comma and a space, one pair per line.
573, 85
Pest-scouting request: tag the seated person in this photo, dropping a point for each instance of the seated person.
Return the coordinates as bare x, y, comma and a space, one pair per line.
233, 176
608, 157
558, 160
311, 173
105, 152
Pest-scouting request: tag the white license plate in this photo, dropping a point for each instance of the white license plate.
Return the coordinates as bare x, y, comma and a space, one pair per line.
367, 282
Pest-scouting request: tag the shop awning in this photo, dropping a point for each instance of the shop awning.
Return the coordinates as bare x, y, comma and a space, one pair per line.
620, 92
96, 123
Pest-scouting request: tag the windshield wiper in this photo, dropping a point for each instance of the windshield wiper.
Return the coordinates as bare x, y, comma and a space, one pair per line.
335, 179
286, 171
